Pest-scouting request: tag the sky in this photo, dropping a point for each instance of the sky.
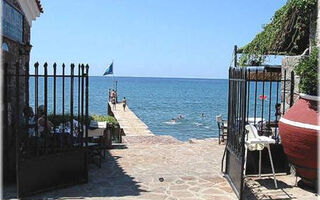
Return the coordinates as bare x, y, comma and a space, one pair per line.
148, 38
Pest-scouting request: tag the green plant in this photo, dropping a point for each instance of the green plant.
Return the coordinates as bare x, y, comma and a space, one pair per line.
58, 119
286, 34
104, 118
307, 69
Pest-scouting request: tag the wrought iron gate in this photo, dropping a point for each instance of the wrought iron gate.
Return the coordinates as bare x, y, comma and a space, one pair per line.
236, 129
50, 143
259, 96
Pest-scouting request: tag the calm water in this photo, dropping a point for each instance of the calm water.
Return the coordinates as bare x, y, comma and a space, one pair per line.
157, 100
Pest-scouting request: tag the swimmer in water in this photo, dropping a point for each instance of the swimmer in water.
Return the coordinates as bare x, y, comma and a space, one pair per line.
202, 115
180, 117
173, 120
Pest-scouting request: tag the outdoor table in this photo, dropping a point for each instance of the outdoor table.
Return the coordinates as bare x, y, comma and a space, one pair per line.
251, 120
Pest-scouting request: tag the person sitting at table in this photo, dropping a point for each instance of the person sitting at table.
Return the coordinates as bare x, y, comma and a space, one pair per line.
42, 121
29, 120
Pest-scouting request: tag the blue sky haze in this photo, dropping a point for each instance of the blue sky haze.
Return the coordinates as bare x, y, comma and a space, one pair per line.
148, 38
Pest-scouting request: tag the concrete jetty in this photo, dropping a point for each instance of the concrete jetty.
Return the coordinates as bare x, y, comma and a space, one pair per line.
129, 122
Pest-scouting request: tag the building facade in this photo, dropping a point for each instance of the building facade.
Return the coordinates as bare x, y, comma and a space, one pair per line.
17, 17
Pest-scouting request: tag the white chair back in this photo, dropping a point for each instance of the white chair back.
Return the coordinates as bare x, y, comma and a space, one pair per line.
252, 133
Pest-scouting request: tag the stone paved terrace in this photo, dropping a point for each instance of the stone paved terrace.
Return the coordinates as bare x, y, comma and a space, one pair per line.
130, 123
151, 169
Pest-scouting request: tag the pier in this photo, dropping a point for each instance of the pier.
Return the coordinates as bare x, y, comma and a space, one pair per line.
128, 121
135, 130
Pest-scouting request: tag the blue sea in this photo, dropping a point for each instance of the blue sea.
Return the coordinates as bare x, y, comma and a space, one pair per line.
157, 100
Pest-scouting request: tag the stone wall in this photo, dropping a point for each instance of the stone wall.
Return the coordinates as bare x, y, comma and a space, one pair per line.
288, 65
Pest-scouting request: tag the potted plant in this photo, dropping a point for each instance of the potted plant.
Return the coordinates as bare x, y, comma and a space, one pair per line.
299, 126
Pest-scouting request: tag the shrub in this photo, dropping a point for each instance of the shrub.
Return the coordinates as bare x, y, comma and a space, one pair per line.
307, 69
58, 119
104, 118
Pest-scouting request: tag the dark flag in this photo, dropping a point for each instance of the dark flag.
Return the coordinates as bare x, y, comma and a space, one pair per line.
109, 70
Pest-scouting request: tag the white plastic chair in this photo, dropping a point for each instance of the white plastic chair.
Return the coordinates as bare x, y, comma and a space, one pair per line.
254, 142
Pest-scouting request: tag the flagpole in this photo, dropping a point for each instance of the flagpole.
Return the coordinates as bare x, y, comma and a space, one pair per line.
113, 75
114, 87
109, 70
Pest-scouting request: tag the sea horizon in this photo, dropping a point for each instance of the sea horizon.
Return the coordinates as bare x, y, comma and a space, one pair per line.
163, 77
157, 100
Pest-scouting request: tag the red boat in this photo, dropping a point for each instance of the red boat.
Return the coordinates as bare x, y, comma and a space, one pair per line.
299, 129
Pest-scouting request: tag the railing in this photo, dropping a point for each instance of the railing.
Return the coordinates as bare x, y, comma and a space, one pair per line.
35, 134
266, 102
48, 147
256, 96
263, 103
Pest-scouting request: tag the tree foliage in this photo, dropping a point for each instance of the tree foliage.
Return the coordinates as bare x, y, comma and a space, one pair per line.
286, 34
307, 69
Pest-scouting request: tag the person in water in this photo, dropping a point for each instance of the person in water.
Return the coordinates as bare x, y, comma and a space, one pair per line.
180, 117
202, 115
124, 103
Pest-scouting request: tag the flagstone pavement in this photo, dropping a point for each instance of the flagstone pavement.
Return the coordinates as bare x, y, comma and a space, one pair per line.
160, 167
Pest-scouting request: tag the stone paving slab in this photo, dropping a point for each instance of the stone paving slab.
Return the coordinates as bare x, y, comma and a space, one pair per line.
150, 139
180, 171
264, 189
147, 171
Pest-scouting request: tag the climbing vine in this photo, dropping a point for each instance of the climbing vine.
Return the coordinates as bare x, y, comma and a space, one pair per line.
286, 34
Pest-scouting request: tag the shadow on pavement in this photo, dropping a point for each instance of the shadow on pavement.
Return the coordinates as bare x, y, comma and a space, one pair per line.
108, 181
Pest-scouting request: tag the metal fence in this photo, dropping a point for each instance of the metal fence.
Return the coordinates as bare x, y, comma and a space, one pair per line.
266, 91
256, 96
50, 143
236, 123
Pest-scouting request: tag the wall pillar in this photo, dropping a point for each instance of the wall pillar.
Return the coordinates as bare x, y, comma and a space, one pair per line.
288, 65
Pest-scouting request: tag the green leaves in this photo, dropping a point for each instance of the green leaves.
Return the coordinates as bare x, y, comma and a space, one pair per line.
307, 69
287, 33
104, 118
58, 119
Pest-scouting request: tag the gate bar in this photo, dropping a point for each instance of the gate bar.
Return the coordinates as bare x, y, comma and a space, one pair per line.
71, 103
17, 123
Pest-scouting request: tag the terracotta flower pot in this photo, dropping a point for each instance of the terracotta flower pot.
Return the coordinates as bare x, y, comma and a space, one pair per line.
299, 135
